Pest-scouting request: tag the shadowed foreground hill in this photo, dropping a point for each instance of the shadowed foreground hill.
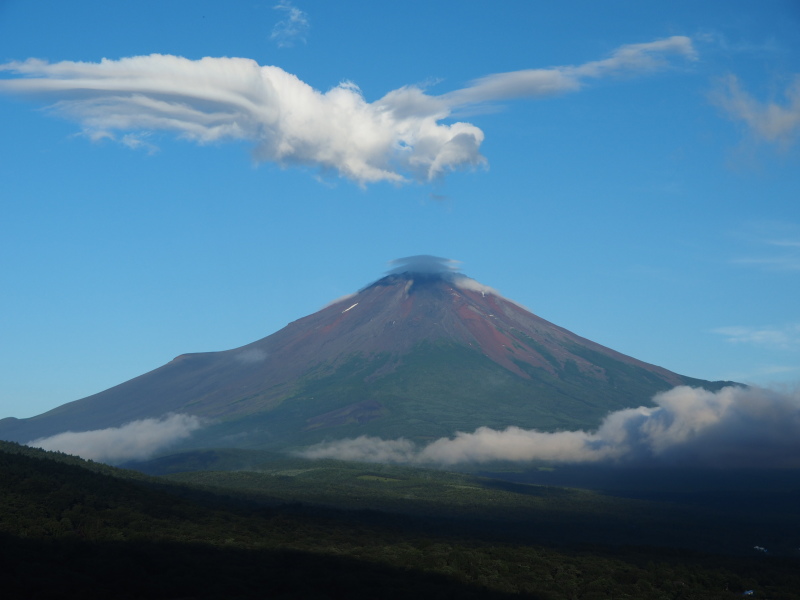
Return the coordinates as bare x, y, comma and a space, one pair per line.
75, 529
414, 355
69, 531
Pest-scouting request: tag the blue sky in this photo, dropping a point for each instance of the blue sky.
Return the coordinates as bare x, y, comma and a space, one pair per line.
627, 170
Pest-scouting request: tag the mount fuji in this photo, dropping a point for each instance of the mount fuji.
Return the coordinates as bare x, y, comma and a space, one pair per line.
421, 353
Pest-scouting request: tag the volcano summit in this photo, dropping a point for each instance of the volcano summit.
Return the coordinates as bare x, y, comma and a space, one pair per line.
421, 353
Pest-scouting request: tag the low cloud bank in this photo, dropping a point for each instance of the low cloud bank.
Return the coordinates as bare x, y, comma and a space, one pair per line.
137, 440
400, 137
733, 427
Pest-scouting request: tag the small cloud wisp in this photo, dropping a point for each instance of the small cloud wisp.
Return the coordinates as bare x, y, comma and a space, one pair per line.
398, 138
137, 440
785, 337
770, 121
733, 427
293, 28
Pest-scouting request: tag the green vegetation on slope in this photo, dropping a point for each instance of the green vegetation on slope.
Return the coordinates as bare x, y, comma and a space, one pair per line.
641, 515
369, 395
67, 529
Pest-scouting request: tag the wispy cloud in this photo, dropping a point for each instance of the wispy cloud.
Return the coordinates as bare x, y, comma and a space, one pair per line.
777, 247
773, 121
399, 138
767, 47
138, 142
631, 58
292, 28
784, 337
734, 427
787, 260
136, 440
765, 371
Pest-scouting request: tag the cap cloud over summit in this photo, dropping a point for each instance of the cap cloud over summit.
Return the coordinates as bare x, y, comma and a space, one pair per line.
424, 264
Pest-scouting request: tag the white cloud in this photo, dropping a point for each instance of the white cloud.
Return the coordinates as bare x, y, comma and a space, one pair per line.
736, 426
365, 448
786, 262
771, 121
136, 440
718, 41
631, 58
293, 28
467, 283
138, 142
777, 246
398, 138
785, 337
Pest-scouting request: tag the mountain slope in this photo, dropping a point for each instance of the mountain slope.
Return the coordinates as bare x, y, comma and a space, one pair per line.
415, 354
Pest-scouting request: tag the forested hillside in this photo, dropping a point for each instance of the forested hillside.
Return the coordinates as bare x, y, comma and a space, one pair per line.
71, 528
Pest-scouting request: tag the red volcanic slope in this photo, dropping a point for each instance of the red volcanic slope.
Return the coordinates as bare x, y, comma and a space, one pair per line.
400, 311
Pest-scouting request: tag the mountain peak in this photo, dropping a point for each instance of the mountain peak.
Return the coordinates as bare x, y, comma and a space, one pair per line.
425, 269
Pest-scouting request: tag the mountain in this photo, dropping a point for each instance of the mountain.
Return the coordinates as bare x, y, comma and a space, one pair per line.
421, 353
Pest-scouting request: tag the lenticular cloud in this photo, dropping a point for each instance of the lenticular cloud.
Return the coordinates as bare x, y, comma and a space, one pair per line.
398, 138
733, 427
223, 99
